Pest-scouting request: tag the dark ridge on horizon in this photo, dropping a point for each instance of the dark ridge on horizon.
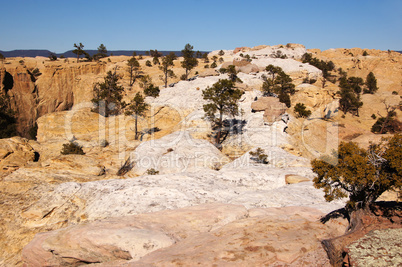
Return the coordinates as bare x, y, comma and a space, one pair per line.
46, 53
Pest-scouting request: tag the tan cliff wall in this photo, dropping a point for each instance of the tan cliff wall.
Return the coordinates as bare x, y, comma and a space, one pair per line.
58, 88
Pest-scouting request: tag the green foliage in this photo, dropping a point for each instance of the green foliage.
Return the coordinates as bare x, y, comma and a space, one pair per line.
373, 116
7, 119
152, 90
189, 61
259, 156
277, 82
72, 148
394, 92
387, 124
365, 53
102, 51
324, 66
155, 53
371, 84
223, 99
166, 68
221, 53
2, 57
79, 50
148, 63
205, 57
350, 94
214, 65
284, 98
108, 96
301, 111
152, 171
137, 107
134, 69
156, 61
362, 175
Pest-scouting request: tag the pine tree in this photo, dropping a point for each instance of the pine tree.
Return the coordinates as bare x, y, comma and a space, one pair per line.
189, 61
108, 96
137, 107
371, 84
79, 50
223, 98
134, 69
166, 68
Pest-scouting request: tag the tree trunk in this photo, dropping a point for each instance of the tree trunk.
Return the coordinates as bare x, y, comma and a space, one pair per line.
361, 222
218, 135
136, 127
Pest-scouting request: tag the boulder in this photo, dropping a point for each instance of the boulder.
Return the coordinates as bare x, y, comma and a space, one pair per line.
273, 109
295, 179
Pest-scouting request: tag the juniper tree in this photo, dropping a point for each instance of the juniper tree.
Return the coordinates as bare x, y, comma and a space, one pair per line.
149, 88
223, 99
359, 174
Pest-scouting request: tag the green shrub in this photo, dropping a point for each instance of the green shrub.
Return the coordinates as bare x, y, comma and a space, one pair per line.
301, 111
259, 156
152, 171
152, 90
213, 65
72, 148
148, 63
394, 92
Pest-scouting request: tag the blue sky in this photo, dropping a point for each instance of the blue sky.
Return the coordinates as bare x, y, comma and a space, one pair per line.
207, 25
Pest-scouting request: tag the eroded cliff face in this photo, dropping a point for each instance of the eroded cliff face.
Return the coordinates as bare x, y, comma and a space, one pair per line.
57, 88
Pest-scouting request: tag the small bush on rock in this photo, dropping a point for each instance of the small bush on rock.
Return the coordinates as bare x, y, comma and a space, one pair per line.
259, 156
72, 148
152, 171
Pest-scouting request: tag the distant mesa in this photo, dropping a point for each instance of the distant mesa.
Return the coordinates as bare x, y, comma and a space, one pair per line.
46, 53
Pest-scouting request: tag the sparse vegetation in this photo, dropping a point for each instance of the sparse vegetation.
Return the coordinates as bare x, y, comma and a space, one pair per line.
72, 148
324, 66
387, 124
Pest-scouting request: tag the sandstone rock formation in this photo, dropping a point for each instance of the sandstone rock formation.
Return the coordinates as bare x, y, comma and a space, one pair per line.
234, 236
